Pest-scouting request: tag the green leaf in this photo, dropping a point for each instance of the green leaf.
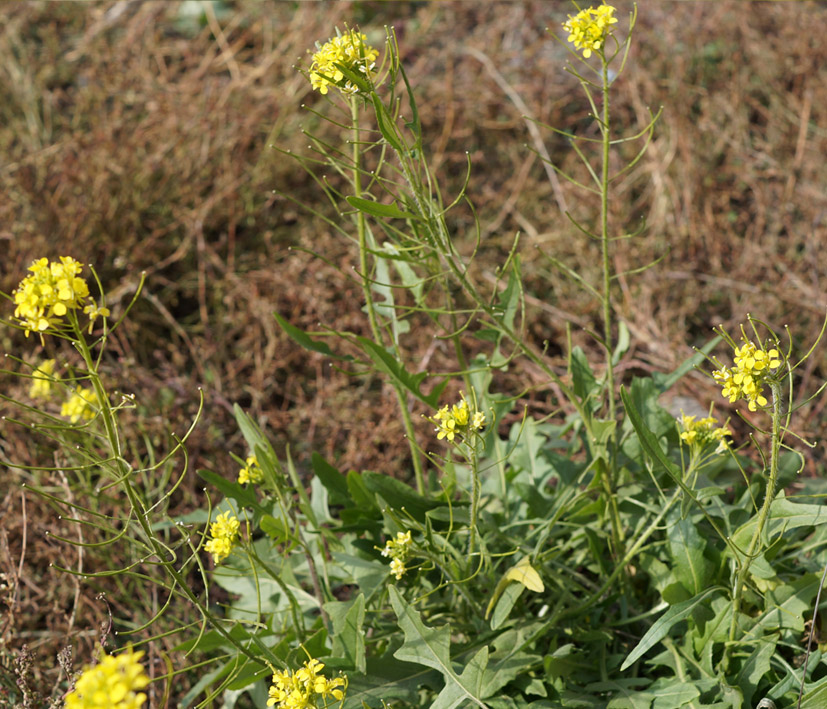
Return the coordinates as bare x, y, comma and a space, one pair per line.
363, 498
647, 439
755, 669
815, 698
302, 338
348, 634
661, 627
784, 515
687, 547
503, 602
386, 679
432, 648
585, 383
244, 497
335, 483
623, 342
387, 363
399, 495
377, 209
277, 529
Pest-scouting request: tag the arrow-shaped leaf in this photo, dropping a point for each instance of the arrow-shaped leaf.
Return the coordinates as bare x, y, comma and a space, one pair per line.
432, 647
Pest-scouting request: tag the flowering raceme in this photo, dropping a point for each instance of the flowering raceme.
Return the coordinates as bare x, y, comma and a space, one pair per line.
457, 420
111, 684
699, 434
49, 292
251, 472
753, 366
398, 550
224, 533
304, 687
348, 50
588, 29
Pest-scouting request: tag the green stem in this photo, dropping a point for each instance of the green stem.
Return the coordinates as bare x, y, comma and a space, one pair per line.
475, 499
361, 228
763, 516
609, 479
604, 238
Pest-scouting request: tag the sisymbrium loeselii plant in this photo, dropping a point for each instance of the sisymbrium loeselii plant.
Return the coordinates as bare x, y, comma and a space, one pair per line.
605, 553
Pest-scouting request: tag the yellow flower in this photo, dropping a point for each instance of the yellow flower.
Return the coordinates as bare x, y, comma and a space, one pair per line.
83, 404
251, 472
299, 689
47, 294
43, 380
348, 50
753, 366
458, 420
224, 533
93, 311
111, 684
398, 568
698, 434
588, 29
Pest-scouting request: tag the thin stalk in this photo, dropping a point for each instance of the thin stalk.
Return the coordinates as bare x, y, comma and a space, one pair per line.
158, 549
604, 238
376, 331
475, 499
763, 516
609, 481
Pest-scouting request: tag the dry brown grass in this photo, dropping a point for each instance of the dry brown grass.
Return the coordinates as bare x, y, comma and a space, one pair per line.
138, 144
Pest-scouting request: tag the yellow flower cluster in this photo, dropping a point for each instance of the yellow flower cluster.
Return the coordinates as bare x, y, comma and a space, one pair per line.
588, 29
83, 404
43, 380
745, 380
348, 50
457, 420
251, 472
111, 684
45, 296
304, 687
224, 533
398, 550
700, 433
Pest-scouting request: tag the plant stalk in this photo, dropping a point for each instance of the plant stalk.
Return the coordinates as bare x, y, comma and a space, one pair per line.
763, 516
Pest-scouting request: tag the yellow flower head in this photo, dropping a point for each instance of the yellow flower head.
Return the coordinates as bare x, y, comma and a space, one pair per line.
83, 404
43, 380
300, 689
224, 533
348, 50
588, 29
457, 420
251, 472
47, 294
698, 434
111, 684
753, 366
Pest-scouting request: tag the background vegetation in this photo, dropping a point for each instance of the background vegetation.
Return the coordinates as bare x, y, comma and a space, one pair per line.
136, 136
